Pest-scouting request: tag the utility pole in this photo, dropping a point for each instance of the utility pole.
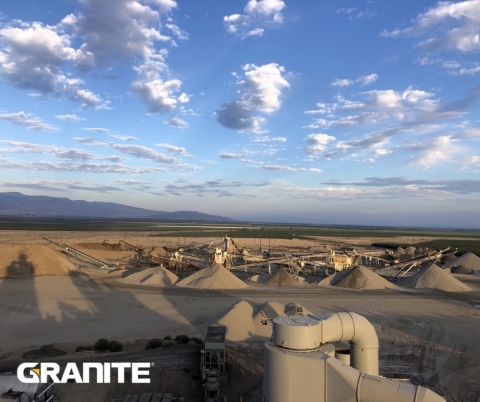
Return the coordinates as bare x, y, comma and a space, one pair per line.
260, 242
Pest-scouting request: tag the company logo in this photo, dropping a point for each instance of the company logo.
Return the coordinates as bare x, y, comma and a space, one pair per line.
34, 373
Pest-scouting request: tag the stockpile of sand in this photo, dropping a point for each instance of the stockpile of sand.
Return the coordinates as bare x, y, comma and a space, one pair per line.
469, 260
251, 321
259, 278
357, 278
448, 258
158, 276
433, 277
103, 246
282, 278
461, 269
108, 256
33, 260
215, 277
160, 252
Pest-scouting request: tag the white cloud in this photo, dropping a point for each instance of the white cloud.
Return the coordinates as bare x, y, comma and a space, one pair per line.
123, 137
179, 33
258, 13
233, 155
282, 168
26, 120
70, 117
89, 141
367, 79
342, 83
87, 167
317, 143
142, 152
363, 81
97, 129
176, 122
259, 92
458, 25
32, 57
268, 139
172, 149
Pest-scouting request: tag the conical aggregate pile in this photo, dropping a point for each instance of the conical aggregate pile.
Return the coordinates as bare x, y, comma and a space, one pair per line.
357, 278
461, 269
215, 277
158, 276
434, 277
19, 260
469, 260
282, 278
247, 320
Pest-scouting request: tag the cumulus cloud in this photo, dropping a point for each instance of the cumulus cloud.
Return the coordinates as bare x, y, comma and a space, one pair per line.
258, 14
176, 122
233, 155
32, 57
457, 25
317, 143
88, 140
342, 82
26, 120
70, 117
259, 92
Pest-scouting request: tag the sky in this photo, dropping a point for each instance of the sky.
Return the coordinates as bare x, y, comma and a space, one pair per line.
321, 112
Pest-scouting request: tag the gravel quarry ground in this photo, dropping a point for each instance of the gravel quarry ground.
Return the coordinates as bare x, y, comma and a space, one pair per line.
431, 331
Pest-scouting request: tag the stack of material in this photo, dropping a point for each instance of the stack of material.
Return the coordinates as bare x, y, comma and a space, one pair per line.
160, 252
461, 269
282, 278
259, 278
157, 276
357, 278
448, 258
251, 321
469, 260
21, 260
433, 277
215, 277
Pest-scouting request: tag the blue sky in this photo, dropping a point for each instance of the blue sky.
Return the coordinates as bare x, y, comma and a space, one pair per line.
317, 112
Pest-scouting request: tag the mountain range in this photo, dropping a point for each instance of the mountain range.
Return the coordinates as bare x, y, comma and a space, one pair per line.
18, 204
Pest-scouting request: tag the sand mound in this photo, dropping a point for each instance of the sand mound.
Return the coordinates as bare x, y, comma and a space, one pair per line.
433, 277
215, 277
259, 278
399, 251
108, 256
469, 260
251, 321
448, 258
152, 276
160, 252
357, 278
461, 269
103, 246
33, 260
410, 250
282, 278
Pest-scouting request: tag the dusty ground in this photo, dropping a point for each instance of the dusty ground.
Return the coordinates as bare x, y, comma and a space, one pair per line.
432, 331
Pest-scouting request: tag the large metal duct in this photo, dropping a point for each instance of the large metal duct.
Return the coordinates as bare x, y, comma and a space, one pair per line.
300, 363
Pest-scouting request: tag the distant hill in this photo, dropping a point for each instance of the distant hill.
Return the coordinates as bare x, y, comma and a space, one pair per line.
18, 204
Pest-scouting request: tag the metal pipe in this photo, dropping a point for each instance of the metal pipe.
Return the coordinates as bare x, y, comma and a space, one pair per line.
356, 330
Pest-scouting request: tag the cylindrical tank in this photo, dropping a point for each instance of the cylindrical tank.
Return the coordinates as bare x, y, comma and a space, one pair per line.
343, 354
14, 397
9, 381
296, 333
